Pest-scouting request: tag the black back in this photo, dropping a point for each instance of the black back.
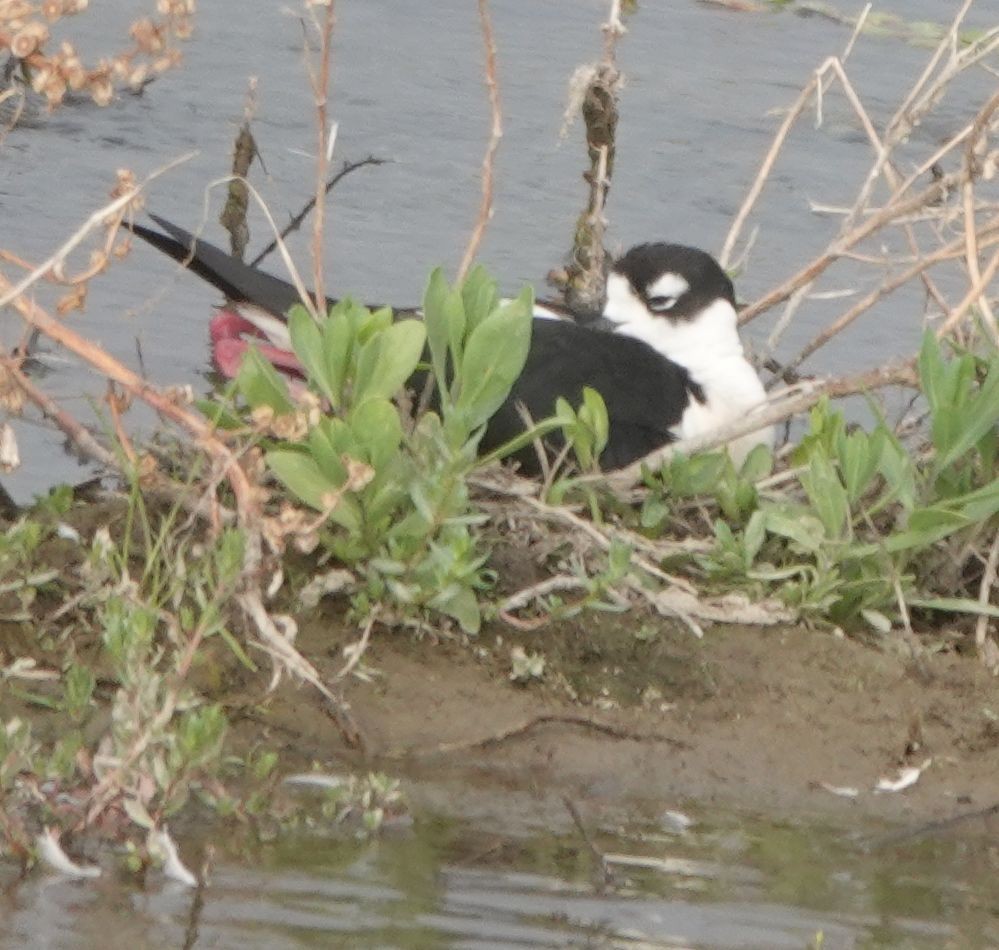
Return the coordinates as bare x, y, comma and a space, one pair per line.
645, 393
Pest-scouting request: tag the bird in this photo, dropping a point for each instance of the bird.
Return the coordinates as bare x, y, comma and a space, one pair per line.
664, 353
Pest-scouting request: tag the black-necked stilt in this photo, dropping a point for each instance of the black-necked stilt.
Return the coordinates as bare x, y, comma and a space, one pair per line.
665, 355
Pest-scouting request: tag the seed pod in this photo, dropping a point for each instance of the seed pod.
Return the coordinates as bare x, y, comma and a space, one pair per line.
28, 39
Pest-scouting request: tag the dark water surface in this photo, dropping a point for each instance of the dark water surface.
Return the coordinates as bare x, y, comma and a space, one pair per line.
526, 880
697, 113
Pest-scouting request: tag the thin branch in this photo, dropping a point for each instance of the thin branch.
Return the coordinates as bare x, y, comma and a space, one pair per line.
495, 134
779, 406
890, 212
948, 251
550, 585
984, 597
98, 219
297, 220
974, 293
321, 85
762, 176
77, 433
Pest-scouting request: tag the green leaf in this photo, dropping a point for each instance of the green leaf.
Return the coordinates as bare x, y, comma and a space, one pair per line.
436, 319
859, 456
478, 294
980, 504
898, 470
934, 523
758, 464
463, 606
219, 414
700, 474
365, 381
932, 371
826, 493
328, 442
799, 526
454, 309
339, 340
929, 520
960, 605
753, 536
654, 512
538, 431
307, 342
977, 418
377, 427
594, 413
261, 384
399, 352
372, 322
494, 357
299, 473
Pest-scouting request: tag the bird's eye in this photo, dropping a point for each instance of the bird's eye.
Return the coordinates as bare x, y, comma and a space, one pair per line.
661, 304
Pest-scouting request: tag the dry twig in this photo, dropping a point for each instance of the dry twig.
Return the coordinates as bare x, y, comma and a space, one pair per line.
779, 406
905, 205
296, 220
495, 134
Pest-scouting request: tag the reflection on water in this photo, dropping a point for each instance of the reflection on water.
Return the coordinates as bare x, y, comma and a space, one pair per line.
727, 883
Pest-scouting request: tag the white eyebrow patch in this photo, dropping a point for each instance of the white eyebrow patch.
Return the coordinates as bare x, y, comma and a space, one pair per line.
669, 285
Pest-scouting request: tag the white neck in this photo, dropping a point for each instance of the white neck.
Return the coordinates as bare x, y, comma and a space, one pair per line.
705, 346
708, 347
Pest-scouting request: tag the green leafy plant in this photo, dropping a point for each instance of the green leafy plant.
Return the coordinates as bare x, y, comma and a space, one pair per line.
587, 430
866, 521
392, 488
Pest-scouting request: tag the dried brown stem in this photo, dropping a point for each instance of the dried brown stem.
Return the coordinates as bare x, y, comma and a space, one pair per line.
763, 175
77, 433
978, 129
987, 650
948, 252
595, 88
132, 383
860, 222
974, 293
244, 151
495, 134
885, 215
320, 89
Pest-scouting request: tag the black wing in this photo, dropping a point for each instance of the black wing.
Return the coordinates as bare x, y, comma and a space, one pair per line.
645, 393
238, 281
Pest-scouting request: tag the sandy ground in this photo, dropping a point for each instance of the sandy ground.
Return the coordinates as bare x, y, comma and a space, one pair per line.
630, 707
746, 718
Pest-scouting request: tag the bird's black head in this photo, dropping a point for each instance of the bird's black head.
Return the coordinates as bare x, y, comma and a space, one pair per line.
666, 280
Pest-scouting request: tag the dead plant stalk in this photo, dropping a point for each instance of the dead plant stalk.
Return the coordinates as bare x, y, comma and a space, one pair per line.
325, 140
495, 134
861, 222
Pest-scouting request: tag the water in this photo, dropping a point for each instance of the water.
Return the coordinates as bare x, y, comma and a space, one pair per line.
731, 882
698, 112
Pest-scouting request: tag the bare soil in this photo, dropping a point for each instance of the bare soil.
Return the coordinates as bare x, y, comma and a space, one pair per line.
631, 707
746, 718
